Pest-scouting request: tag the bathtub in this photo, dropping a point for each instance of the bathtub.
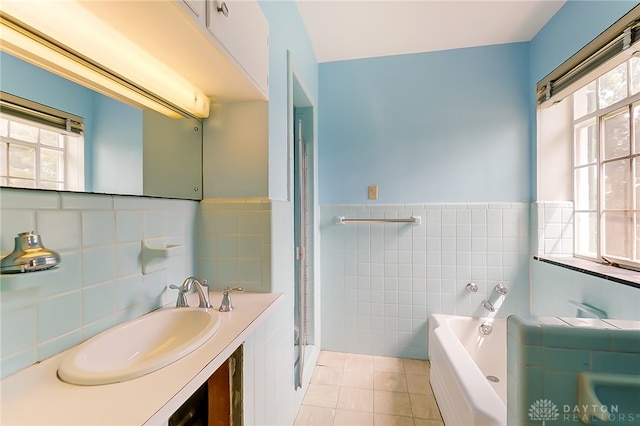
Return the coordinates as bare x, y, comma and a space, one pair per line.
469, 370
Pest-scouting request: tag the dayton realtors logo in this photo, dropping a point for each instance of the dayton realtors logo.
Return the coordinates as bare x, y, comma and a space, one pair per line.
545, 410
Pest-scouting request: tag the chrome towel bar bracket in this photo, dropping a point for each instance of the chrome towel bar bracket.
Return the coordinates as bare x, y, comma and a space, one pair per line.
415, 220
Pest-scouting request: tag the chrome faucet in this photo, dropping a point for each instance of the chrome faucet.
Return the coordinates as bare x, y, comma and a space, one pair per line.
201, 287
185, 288
226, 305
500, 289
486, 303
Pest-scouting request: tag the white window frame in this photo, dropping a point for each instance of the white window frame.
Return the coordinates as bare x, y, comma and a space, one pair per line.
18, 110
598, 117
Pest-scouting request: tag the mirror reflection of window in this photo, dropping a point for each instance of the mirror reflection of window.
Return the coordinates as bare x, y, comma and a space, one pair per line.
39, 149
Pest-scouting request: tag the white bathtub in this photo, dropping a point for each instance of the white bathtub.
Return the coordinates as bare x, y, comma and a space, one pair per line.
461, 360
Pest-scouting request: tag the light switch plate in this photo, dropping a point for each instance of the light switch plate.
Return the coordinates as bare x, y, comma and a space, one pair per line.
373, 192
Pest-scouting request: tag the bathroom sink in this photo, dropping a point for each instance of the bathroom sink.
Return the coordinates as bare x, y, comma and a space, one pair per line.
139, 346
606, 397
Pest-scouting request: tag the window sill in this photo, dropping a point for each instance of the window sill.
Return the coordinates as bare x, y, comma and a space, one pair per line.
607, 272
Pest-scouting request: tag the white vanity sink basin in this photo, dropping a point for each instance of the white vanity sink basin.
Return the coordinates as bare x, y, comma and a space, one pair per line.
139, 346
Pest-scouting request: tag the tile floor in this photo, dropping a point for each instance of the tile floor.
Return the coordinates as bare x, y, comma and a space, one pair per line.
353, 390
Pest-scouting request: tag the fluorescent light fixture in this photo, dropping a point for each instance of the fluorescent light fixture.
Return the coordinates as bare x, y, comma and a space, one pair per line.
72, 42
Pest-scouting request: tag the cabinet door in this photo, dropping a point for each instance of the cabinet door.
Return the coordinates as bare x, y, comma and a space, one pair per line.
197, 9
243, 31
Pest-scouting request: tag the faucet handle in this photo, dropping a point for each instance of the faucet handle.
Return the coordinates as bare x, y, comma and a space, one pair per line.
501, 289
181, 302
226, 305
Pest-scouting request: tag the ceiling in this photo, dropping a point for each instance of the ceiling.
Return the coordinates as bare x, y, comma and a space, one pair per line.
353, 29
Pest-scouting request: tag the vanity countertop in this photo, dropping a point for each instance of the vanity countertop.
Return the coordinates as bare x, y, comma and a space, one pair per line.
35, 395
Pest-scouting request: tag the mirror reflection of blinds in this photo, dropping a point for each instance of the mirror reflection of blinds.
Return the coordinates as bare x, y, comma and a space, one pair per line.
41, 114
619, 37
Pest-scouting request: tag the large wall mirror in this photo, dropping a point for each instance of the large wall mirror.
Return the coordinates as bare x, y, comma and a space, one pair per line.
125, 150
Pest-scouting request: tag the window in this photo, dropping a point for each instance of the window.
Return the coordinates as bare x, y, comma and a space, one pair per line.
39, 150
606, 166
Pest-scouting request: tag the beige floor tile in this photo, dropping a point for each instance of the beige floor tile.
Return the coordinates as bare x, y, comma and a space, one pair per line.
389, 420
355, 399
354, 389
327, 375
418, 384
416, 367
396, 403
352, 418
309, 415
383, 363
359, 362
425, 407
362, 379
427, 422
392, 382
332, 359
322, 395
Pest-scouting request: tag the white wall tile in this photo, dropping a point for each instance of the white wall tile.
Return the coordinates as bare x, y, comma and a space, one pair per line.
11, 198
60, 230
12, 223
427, 270
98, 228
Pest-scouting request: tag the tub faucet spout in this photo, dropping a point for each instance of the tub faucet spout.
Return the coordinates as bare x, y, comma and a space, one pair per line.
488, 305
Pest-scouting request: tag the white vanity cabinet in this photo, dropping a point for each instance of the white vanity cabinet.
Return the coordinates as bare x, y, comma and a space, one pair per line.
197, 9
242, 30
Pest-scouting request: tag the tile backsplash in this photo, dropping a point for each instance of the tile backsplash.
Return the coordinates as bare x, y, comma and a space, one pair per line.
99, 282
234, 243
380, 282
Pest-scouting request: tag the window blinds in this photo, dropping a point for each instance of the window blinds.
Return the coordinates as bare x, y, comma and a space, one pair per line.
577, 70
42, 114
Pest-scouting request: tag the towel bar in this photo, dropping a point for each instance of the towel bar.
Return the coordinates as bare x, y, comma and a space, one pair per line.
416, 220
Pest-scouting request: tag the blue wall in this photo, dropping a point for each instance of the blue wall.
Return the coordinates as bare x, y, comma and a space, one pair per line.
117, 139
448, 126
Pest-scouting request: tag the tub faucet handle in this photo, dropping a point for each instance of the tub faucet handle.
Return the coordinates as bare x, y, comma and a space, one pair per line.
500, 289
226, 305
472, 288
486, 328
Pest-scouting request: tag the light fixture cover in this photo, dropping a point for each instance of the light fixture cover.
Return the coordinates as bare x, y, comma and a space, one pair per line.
111, 63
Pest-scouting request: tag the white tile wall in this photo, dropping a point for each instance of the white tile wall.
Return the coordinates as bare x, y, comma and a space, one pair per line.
99, 282
552, 224
380, 282
234, 243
